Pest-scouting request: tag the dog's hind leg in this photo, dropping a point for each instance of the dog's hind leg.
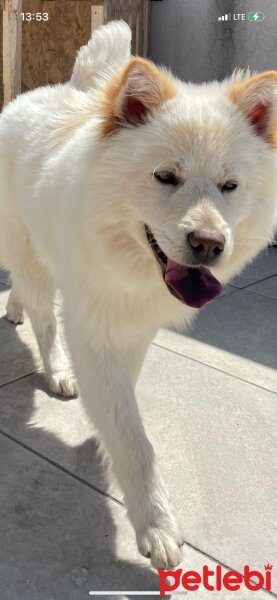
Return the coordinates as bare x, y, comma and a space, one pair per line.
15, 313
35, 288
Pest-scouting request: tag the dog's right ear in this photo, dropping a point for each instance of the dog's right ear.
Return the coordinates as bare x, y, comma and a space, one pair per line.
129, 98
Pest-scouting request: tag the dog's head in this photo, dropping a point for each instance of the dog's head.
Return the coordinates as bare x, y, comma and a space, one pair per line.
196, 166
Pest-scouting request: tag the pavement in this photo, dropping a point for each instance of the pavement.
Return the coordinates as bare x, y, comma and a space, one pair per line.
208, 399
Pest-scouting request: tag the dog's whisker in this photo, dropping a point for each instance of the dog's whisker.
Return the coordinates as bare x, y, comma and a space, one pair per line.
240, 244
262, 238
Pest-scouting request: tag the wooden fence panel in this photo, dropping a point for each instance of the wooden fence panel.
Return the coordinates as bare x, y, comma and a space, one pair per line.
12, 32
137, 14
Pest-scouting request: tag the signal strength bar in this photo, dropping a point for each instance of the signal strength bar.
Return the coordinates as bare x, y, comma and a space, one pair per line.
227, 17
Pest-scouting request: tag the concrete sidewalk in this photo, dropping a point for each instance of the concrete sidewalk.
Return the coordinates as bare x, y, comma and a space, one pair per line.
209, 400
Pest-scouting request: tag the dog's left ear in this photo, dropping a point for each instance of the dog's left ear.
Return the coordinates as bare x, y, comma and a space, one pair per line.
257, 99
134, 94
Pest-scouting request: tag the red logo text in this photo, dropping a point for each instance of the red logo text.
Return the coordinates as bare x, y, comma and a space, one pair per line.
216, 580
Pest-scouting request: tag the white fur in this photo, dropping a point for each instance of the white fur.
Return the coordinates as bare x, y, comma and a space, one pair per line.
108, 49
72, 214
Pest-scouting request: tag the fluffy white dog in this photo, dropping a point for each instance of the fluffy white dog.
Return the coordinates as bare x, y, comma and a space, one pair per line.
137, 195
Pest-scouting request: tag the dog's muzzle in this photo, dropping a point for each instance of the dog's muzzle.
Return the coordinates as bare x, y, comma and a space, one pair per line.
194, 286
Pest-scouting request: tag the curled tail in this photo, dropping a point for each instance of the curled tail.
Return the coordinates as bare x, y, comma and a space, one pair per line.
108, 49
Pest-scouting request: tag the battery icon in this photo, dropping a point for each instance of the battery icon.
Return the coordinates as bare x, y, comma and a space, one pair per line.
255, 16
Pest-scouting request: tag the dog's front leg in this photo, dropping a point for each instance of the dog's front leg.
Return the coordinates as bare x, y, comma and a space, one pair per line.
107, 392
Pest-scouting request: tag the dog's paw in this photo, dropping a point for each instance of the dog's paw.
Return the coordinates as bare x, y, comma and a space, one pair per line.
162, 543
62, 383
14, 312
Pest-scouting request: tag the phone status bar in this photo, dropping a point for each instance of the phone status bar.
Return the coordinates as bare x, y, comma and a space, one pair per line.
253, 17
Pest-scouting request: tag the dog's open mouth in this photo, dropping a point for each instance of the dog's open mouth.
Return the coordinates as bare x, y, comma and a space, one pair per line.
194, 286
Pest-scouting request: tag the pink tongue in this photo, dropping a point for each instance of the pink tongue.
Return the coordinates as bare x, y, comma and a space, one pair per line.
193, 286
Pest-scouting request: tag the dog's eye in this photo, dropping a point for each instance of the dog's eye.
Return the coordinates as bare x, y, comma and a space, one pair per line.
229, 186
167, 178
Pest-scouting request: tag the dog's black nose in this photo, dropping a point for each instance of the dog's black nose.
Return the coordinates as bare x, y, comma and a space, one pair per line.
206, 244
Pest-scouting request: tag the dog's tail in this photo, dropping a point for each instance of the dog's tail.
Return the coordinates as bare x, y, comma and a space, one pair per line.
108, 49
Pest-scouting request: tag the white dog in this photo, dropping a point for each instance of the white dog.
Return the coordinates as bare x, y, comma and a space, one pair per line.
136, 194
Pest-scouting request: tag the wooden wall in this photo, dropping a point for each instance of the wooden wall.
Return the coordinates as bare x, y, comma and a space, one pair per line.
49, 47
